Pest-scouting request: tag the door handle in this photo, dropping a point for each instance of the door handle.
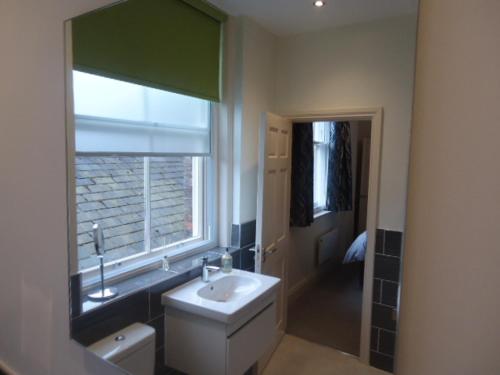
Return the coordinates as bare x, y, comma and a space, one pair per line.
271, 250
268, 252
265, 253
256, 251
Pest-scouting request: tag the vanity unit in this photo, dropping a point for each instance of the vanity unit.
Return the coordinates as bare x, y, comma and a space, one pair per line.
222, 326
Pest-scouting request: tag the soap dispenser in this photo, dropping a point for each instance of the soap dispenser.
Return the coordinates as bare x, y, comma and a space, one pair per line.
227, 262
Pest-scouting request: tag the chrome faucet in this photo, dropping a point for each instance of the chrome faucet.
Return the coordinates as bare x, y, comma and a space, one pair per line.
206, 269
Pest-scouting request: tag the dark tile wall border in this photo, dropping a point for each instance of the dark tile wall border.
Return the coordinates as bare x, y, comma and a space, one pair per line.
235, 235
388, 248
243, 234
99, 323
143, 304
75, 287
247, 259
243, 237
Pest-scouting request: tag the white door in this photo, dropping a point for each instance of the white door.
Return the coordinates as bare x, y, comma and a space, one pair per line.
273, 209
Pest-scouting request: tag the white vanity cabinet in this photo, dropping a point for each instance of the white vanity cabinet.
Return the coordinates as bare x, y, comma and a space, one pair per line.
200, 346
220, 327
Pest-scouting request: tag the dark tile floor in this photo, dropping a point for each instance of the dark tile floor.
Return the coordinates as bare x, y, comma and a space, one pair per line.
330, 312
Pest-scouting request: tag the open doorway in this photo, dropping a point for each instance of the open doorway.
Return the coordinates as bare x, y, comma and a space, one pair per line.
330, 268
329, 311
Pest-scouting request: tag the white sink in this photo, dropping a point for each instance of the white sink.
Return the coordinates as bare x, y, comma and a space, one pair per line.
226, 298
228, 288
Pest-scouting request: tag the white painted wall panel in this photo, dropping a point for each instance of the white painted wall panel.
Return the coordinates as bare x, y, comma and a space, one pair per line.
364, 65
34, 313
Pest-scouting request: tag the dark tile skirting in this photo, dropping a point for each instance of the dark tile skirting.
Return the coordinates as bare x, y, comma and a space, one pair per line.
388, 247
243, 237
140, 297
243, 234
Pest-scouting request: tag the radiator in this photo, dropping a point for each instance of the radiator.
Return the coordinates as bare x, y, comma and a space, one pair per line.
327, 246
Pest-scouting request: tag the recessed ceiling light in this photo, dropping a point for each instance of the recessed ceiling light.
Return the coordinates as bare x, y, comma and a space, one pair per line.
319, 3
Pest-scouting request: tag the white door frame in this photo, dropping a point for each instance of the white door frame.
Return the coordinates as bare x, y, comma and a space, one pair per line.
375, 115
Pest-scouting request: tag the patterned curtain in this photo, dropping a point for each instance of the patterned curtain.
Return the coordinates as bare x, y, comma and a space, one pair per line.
339, 188
302, 199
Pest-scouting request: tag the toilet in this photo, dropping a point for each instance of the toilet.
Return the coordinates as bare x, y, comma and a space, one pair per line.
131, 348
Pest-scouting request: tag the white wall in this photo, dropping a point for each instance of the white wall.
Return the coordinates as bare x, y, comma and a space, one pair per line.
365, 65
34, 323
302, 256
450, 292
254, 94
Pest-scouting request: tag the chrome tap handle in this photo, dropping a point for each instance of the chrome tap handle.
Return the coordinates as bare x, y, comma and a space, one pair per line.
98, 240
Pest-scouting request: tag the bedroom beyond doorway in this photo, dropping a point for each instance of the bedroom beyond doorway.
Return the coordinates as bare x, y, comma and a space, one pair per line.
326, 308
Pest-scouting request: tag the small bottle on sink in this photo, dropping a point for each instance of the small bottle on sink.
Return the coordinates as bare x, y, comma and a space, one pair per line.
227, 262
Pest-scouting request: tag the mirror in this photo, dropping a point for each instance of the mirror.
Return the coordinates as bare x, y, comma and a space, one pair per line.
164, 104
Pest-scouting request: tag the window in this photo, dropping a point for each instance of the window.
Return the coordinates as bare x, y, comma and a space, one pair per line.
147, 205
321, 139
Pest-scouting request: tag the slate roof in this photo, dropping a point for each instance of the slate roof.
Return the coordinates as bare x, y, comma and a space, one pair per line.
110, 191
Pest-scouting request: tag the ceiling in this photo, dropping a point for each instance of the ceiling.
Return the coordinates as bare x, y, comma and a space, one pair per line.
289, 17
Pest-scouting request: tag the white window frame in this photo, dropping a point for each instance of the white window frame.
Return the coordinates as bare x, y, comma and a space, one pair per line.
320, 146
211, 197
206, 199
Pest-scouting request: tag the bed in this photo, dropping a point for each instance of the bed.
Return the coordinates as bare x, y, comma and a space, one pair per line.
357, 250
356, 254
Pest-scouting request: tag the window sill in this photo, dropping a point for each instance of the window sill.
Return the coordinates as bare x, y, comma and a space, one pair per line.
142, 263
318, 214
181, 269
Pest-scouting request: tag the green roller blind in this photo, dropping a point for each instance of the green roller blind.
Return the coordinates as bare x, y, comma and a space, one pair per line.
172, 45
